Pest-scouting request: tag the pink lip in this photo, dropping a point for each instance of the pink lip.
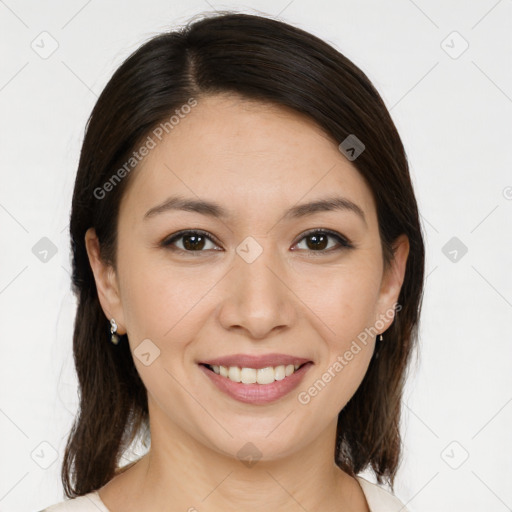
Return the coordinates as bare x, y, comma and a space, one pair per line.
257, 394
256, 362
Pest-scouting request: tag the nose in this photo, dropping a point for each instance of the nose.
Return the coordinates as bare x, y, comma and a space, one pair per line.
257, 299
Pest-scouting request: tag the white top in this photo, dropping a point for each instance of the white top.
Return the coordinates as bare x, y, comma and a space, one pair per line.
378, 498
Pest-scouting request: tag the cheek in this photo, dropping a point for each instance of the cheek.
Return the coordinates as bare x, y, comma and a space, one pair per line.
143, 290
345, 301
161, 301
345, 298
160, 297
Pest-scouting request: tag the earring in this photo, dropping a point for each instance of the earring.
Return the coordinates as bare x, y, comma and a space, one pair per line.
114, 338
380, 337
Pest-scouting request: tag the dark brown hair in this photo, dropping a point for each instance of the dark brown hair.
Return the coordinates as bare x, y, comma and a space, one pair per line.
270, 61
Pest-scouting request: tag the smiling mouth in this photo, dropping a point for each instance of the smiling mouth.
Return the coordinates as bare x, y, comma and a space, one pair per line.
263, 376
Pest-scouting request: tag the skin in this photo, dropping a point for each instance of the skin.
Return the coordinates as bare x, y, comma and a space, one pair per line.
256, 160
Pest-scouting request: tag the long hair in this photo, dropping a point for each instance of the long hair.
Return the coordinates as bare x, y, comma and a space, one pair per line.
263, 59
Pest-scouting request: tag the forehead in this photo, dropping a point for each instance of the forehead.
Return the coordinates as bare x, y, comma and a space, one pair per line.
248, 155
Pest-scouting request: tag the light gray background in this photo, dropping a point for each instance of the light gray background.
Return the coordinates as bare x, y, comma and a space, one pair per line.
454, 113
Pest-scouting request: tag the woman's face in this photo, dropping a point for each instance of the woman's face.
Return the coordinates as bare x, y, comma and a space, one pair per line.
261, 286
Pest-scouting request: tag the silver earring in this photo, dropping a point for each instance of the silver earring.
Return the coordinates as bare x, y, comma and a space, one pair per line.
114, 337
380, 338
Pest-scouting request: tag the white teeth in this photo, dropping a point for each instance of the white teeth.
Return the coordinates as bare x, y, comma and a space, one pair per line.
234, 374
265, 375
248, 375
251, 375
279, 372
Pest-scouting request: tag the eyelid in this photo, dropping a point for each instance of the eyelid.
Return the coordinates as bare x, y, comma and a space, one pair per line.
169, 240
344, 242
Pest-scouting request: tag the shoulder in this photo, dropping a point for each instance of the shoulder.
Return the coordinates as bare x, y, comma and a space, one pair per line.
380, 499
87, 503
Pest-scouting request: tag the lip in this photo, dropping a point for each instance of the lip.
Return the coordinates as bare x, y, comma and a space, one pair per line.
256, 362
257, 394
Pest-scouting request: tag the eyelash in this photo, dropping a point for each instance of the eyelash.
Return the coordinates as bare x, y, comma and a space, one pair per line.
344, 242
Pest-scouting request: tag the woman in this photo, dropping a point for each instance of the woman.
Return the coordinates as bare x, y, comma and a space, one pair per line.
248, 262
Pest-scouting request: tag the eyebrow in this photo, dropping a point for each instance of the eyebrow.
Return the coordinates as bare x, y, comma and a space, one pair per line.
212, 209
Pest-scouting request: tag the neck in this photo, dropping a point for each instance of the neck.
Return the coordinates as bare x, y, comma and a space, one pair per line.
182, 471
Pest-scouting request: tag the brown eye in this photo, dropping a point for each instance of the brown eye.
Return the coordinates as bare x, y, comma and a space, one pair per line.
318, 241
191, 241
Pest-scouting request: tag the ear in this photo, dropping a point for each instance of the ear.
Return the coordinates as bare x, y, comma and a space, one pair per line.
391, 283
106, 282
